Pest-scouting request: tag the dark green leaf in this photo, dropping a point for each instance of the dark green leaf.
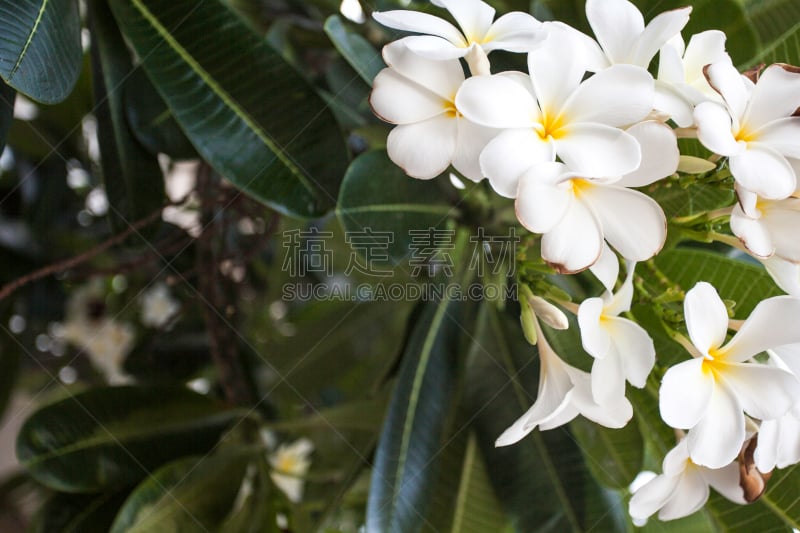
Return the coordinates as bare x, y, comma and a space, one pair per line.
464, 500
188, 495
40, 53
7, 97
405, 460
112, 437
361, 55
256, 513
151, 120
132, 176
67, 513
614, 456
244, 108
785, 49
376, 195
773, 19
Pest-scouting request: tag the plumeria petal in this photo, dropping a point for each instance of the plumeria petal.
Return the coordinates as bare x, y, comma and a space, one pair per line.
595, 338
515, 32
433, 48
440, 77
785, 274
715, 441
714, 129
660, 154
776, 95
690, 495
675, 103
497, 102
556, 69
472, 139
399, 100
542, 202
726, 80
670, 62
783, 135
417, 22
617, 96
635, 348
606, 269
575, 243
474, 16
778, 443
725, 480
608, 381
772, 323
658, 31
703, 49
424, 150
633, 223
652, 496
764, 392
617, 24
706, 317
685, 394
599, 150
753, 234
614, 414
764, 171
510, 155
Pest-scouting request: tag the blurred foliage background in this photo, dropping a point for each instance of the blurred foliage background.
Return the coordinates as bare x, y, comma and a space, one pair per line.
158, 156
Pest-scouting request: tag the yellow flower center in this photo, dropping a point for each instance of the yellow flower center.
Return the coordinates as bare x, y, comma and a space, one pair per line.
550, 126
450, 109
581, 186
745, 135
287, 463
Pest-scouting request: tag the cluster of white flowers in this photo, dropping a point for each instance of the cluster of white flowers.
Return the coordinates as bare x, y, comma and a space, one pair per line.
570, 141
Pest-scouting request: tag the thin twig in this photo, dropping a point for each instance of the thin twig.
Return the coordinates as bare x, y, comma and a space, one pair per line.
74, 261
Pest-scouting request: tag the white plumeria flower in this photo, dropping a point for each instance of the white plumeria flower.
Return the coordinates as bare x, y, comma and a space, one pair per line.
158, 306
622, 34
577, 214
479, 35
622, 349
779, 440
710, 393
681, 83
554, 113
683, 487
418, 95
564, 393
290, 464
767, 227
755, 128
785, 274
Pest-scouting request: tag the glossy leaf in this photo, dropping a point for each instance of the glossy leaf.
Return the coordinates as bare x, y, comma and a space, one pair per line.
7, 97
784, 49
406, 458
773, 19
464, 500
260, 124
151, 120
614, 456
40, 52
68, 513
132, 176
376, 195
361, 55
193, 494
112, 437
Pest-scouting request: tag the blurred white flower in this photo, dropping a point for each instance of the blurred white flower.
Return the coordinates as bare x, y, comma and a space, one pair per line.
290, 463
683, 487
418, 94
711, 393
767, 227
476, 38
158, 306
755, 128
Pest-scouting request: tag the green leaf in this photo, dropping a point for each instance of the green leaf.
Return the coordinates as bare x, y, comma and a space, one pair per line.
40, 53
358, 51
112, 437
376, 195
772, 19
68, 513
132, 176
192, 494
364, 415
256, 513
151, 121
614, 456
542, 481
260, 124
7, 97
785, 49
406, 457
463, 500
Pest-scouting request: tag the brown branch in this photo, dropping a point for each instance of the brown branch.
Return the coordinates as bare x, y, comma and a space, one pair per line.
74, 261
